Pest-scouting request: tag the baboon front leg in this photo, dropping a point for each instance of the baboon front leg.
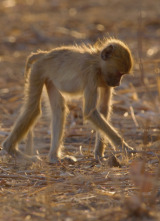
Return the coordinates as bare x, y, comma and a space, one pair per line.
91, 114
104, 106
57, 105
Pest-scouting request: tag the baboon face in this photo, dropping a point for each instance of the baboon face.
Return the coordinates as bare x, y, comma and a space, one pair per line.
116, 62
113, 79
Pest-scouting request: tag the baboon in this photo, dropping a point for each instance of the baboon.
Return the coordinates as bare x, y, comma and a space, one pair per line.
88, 70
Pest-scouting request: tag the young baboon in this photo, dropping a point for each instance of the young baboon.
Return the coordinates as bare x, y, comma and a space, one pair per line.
92, 71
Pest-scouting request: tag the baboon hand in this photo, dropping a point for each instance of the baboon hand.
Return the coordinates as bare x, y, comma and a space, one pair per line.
126, 148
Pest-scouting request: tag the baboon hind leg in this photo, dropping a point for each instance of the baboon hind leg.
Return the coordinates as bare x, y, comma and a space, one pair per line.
28, 116
29, 143
57, 105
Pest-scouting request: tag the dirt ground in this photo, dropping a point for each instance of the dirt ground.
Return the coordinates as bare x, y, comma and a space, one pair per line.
86, 190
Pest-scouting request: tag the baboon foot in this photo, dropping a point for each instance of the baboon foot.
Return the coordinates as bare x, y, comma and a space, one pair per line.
64, 159
23, 157
19, 156
69, 159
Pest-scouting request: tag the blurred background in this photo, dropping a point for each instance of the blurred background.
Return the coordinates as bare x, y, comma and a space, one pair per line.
29, 25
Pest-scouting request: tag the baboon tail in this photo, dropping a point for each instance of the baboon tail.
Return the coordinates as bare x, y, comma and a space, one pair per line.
30, 60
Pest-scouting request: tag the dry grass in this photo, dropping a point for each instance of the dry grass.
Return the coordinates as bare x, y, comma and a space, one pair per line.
86, 190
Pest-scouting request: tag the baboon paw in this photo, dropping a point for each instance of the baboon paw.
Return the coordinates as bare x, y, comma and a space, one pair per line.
18, 155
3, 152
98, 156
35, 158
6, 150
53, 160
128, 150
5, 147
67, 158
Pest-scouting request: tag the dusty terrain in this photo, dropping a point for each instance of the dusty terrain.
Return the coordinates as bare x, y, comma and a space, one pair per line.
86, 190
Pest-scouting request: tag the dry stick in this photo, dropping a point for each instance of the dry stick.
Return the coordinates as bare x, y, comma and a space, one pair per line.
13, 176
133, 117
25, 177
135, 151
37, 191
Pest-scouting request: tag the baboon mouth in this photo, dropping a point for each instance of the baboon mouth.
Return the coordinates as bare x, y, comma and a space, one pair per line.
117, 84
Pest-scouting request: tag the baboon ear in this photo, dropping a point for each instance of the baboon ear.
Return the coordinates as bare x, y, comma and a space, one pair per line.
106, 53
